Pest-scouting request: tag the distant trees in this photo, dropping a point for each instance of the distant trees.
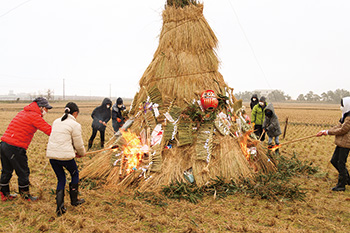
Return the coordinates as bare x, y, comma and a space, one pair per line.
246, 95
274, 96
280, 96
328, 97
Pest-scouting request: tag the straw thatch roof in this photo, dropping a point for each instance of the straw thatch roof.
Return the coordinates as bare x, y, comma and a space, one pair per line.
184, 65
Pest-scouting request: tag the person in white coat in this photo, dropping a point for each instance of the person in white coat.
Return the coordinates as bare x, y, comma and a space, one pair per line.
65, 144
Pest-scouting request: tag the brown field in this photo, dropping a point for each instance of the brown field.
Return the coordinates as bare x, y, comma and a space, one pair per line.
105, 211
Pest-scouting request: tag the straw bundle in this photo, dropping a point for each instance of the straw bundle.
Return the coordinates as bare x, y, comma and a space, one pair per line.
184, 65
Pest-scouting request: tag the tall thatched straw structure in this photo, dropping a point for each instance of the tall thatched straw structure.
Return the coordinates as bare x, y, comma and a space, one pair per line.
185, 136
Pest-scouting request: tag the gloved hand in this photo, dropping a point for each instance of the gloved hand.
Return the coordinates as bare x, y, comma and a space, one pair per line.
119, 120
78, 156
323, 132
253, 124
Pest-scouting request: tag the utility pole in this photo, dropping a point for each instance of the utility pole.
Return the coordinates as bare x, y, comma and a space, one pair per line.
64, 90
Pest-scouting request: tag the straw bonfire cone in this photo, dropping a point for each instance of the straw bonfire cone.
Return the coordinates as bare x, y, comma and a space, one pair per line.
184, 133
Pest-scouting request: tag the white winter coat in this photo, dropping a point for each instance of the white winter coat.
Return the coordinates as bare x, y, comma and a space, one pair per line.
65, 139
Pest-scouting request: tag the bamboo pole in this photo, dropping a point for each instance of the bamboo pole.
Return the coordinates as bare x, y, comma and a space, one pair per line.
97, 151
297, 140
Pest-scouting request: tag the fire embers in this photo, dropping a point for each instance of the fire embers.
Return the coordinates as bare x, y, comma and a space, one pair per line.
208, 100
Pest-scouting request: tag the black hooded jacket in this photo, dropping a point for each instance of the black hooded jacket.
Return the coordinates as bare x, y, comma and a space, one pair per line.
117, 112
252, 102
101, 113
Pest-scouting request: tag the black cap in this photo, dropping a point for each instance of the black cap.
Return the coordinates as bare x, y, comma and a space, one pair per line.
42, 102
262, 99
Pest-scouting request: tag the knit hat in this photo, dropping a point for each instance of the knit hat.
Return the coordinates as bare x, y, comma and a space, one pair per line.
42, 102
119, 101
262, 99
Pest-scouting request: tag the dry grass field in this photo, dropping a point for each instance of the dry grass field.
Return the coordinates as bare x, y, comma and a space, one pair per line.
106, 211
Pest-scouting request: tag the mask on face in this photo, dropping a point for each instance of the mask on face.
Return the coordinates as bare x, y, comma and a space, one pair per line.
261, 103
108, 106
254, 99
120, 105
342, 109
43, 112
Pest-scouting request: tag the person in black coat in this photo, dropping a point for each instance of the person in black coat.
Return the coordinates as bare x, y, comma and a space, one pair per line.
254, 101
101, 115
117, 116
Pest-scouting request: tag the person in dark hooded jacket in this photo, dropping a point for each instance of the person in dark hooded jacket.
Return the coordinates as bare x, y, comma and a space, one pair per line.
271, 125
254, 101
342, 142
101, 115
117, 116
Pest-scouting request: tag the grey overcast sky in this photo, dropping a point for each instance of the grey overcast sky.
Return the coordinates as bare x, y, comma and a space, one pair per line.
294, 46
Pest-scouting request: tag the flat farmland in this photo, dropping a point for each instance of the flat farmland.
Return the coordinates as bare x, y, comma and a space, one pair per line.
107, 211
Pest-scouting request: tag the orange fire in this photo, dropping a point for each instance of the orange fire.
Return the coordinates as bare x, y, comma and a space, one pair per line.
275, 147
244, 144
132, 151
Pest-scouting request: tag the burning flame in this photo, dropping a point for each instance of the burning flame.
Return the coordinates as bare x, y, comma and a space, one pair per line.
275, 147
244, 144
132, 150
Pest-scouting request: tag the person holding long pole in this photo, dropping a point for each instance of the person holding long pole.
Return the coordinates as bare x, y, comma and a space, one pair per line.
100, 115
65, 144
342, 141
15, 143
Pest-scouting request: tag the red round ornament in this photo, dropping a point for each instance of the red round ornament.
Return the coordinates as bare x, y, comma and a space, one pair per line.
209, 100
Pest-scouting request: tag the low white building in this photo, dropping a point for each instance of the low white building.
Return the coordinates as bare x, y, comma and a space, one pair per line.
264, 92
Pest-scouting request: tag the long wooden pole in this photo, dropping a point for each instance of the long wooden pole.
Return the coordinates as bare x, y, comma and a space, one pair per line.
297, 140
97, 151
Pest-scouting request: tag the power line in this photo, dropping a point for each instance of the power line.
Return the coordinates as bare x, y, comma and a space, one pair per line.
14, 8
249, 44
251, 47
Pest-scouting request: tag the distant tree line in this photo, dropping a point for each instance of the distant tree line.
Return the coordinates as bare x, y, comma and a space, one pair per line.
280, 96
274, 96
329, 96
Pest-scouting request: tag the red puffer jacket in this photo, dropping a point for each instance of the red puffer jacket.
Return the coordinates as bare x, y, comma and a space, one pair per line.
23, 126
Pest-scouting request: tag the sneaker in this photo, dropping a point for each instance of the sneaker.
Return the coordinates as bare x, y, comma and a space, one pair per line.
28, 197
5, 197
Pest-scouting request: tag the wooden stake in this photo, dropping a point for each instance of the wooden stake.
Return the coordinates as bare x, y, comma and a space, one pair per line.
285, 129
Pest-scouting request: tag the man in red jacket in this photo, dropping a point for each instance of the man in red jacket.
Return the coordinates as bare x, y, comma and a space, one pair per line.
15, 142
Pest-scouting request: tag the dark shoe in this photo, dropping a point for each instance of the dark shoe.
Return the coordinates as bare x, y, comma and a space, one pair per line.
338, 188
60, 203
90, 144
347, 178
102, 144
73, 193
342, 180
28, 197
277, 151
24, 192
